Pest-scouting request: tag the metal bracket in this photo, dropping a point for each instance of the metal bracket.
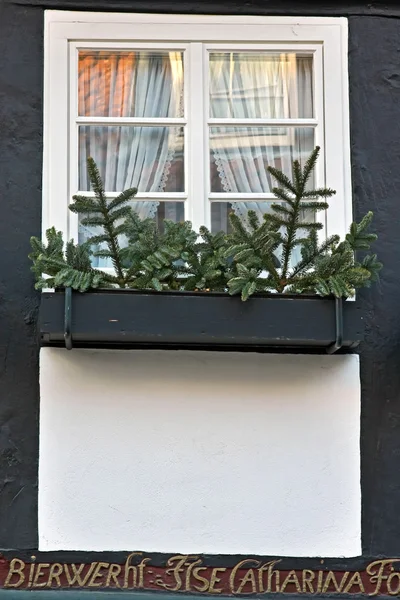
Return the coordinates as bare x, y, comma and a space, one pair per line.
68, 318
338, 326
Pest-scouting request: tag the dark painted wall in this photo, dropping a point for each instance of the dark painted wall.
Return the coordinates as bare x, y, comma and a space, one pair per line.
374, 64
20, 198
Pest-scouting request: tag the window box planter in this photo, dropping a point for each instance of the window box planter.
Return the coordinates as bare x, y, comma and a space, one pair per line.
194, 320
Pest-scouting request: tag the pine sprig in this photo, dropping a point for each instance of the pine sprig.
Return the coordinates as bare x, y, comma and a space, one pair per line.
156, 260
252, 246
106, 214
325, 268
207, 267
293, 192
55, 268
257, 257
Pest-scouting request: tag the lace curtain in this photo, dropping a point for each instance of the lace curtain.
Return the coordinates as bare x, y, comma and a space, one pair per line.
131, 84
250, 86
149, 84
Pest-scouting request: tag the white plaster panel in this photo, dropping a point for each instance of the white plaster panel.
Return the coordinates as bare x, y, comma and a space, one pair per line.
199, 452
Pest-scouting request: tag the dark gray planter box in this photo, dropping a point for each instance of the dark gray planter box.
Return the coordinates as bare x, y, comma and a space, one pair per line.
194, 320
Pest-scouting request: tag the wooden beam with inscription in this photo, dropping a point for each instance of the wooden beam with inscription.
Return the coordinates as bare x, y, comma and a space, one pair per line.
191, 574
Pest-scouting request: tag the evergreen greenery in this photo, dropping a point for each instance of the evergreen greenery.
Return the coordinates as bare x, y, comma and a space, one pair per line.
255, 257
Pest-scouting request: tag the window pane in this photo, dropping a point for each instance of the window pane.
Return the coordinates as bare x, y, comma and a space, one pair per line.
239, 156
148, 158
220, 217
220, 212
130, 84
174, 211
260, 85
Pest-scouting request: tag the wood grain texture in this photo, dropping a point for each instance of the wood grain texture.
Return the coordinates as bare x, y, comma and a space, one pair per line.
374, 74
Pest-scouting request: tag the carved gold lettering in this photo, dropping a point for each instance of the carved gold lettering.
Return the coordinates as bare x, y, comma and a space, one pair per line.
76, 570
17, 567
113, 573
39, 573
197, 577
97, 574
376, 576
355, 579
263, 569
55, 571
31, 572
331, 580
188, 573
248, 578
131, 569
396, 591
214, 579
175, 572
291, 578
141, 568
376, 572
308, 577
319, 582
236, 568
271, 573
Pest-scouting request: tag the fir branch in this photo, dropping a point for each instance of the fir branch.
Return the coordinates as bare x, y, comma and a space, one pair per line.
71, 268
244, 262
291, 221
309, 168
105, 214
252, 249
207, 264
311, 250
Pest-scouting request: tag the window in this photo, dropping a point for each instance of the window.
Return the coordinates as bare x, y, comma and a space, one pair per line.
191, 110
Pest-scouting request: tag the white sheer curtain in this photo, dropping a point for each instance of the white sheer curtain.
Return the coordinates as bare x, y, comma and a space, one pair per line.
257, 85
128, 157
131, 84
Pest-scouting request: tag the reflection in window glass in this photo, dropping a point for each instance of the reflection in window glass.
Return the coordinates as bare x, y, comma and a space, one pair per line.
148, 158
130, 84
173, 211
239, 156
261, 85
220, 221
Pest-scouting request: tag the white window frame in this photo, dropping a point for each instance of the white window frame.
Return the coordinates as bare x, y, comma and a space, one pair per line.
67, 31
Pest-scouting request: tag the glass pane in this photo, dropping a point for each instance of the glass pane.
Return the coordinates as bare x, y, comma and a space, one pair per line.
261, 85
148, 158
220, 218
174, 211
130, 84
239, 156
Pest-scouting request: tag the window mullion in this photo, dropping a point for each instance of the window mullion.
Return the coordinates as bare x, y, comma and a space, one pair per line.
246, 122
319, 133
56, 164
139, 121
195, 210
73, 219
